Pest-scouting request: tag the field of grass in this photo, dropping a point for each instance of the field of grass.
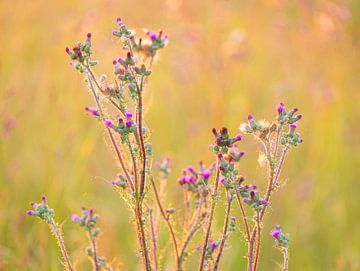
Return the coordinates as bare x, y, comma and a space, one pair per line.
224, 60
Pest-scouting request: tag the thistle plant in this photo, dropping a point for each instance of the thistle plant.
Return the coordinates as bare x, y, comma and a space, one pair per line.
202, 186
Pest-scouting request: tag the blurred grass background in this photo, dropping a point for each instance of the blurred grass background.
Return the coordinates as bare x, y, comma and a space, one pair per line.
226, 58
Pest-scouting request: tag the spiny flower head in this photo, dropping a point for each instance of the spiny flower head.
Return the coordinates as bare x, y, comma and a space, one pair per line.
281, 239
254, 201
87, 220
120, 181
192, 178
42, 210
287, 117
223, 141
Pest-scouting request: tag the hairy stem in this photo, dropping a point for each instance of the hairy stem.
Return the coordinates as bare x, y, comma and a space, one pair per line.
61, 243
167, 220
153, 237
286, 259
91, 77
95, 259
142, 236
197, 221
224, 233
247, 229
258, 240
213, 205
281, 164
141, 138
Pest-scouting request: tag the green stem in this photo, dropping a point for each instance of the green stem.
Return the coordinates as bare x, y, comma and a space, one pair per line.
61, 243
213, 205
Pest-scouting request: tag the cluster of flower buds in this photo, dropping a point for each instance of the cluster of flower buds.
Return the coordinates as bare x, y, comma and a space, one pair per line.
211, 247
291, 137
253, 199
124, 127
120, 181
87, 221
281, 239
232, 224
192, 179
158, 40
42, 210
81, 53
287, 117
164, 167
223, 141
122, 31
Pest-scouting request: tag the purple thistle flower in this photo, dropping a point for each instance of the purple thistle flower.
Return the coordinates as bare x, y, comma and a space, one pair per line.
213, 245
128, 114
182, 179
92, 111
223, 180
43, 199
206, 174
251, 121
75, 218
108, 123
233, 218
280, 108
298, 117
128, 123
152, 35
244, 200
30, 212
276, 232
263, 202
293, 126
120, 22
189, 179
191, 170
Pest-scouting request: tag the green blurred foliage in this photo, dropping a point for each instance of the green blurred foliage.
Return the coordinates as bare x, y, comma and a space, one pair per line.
226, 58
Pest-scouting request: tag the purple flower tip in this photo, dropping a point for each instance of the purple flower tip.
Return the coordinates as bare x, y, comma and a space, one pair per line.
244, 200
120, 22
298, 117
67, 50
263, 202
280, 108
191, 169
152, 35
43, 199
120, 60
276, 232
213, 245
223, 180
128, 123
250, 117
293, 126
238, 137
75, 218
128, 114
115, 33
206, 174
88, 35
30, 212
108, 123
233, 218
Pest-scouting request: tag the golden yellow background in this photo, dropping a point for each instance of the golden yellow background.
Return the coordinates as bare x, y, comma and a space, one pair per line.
225, 58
